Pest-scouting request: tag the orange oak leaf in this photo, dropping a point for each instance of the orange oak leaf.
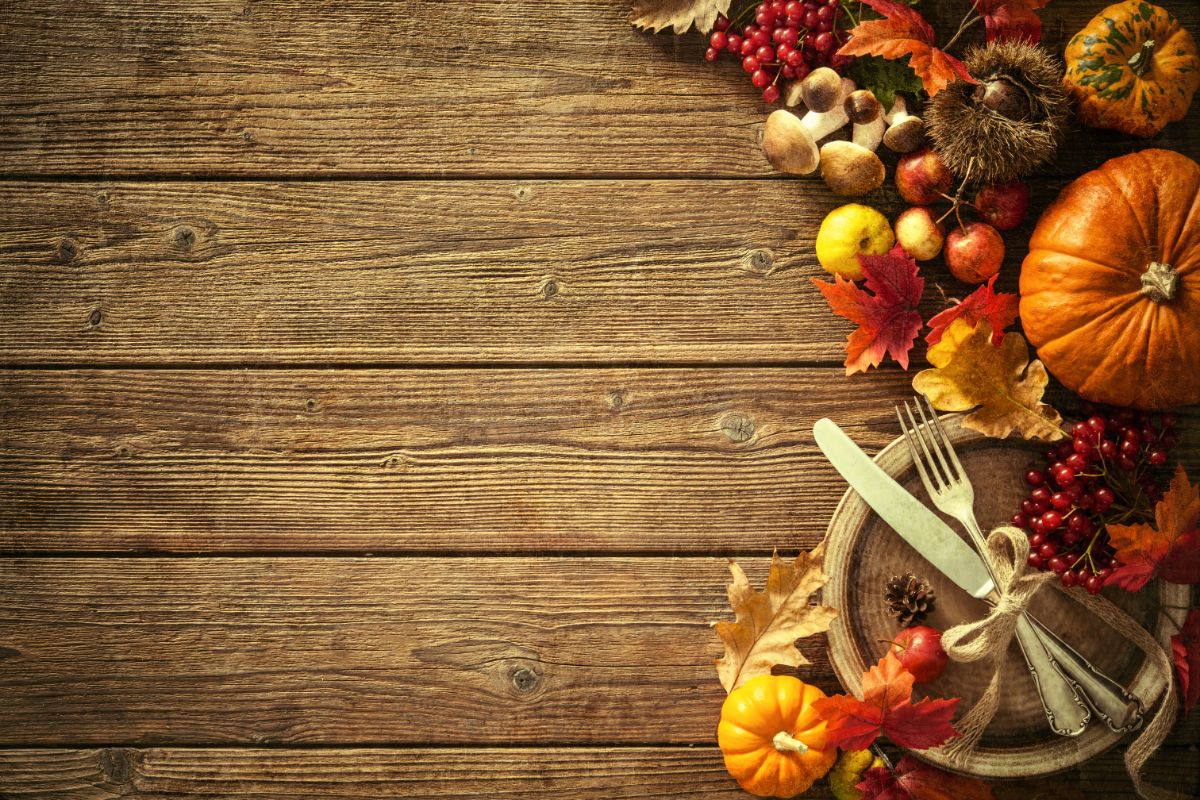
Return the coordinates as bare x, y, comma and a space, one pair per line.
655, 15
901, 32
888, 320
886, 708
1010, 20
916, 780
1169, 549
1000, 309
1185, 647
767, 624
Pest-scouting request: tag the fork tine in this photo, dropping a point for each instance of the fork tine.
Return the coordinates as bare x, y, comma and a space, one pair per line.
949, 448
910, 436
928, 431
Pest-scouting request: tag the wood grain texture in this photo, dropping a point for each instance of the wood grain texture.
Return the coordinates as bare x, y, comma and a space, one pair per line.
628, 773
368, 651
410, 88
431, 461
678, 460
427, 272
363, 651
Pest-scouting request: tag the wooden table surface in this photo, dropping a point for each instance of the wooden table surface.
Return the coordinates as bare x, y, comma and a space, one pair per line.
385, 385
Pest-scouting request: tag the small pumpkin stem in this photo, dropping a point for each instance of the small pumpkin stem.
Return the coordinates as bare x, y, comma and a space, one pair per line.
1141, 59
1160, 282
786, 743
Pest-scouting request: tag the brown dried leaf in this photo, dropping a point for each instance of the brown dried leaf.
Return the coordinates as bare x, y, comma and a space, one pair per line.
655, 15
767, 624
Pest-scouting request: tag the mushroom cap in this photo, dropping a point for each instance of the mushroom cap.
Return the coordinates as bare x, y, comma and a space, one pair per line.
862, 107
821, 89
788, 145
906, 135
850, 169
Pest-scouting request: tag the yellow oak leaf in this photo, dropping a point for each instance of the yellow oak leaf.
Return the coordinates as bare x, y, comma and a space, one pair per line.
1000, 383
767, 624
655, 15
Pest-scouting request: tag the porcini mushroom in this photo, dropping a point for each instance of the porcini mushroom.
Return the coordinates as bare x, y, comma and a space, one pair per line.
821, 89
851, 169
790, 142
864, 110
905, 132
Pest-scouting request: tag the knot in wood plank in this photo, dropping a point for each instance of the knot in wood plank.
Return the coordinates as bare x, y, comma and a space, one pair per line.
525, 678
117, 766
95, 317
68, 251
738, 427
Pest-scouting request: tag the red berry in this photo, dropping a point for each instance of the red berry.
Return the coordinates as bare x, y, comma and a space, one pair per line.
823, 42
1061, 500
1094, 584
1078, 523
1057, 564
1035, 561
1035, 477
1104, 498
760, 78
1041, 495
711, 54
722, 23
1065, 477
765, 54
770, 94
1078, 461
1049, 549
1108, 448
1157, 457
1037, 540
719, 40
1019, 521
1126, 463
1068, 579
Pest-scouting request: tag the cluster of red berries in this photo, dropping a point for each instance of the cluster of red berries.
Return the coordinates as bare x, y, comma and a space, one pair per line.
1106, 473
785, 41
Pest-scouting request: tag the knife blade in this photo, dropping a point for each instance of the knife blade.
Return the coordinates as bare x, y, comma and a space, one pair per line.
904, 513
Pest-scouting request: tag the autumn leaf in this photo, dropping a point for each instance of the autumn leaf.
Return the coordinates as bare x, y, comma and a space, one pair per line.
1185, 647
887, 316
767, 624
904, 32
1169, 549
916, 780
886, 708
1011, 20
655, 15
983, 303
1000, 383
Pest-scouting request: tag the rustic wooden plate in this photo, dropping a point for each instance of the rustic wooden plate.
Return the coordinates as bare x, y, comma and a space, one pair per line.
863, 552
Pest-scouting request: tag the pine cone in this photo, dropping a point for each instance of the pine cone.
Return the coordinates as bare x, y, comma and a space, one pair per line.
909, 598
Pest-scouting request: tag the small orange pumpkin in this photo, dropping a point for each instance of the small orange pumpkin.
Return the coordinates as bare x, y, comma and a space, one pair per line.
1110, 290
773, 741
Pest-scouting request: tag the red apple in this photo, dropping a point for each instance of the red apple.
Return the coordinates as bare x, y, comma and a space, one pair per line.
1003, 205
919, 233
975, 252
922, 178
919, 651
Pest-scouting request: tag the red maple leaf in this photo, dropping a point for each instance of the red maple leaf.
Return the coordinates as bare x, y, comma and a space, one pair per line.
901, 32
888, 320
916, 780
1169, 549
1010, 20
1185, 646
983, 303
886, 708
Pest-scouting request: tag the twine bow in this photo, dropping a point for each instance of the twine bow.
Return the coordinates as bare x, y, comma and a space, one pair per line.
989, 638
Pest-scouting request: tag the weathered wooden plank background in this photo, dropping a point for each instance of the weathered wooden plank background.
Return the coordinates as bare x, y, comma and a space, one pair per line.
384, 386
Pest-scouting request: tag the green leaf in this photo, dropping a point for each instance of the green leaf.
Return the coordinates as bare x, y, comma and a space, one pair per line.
885, 77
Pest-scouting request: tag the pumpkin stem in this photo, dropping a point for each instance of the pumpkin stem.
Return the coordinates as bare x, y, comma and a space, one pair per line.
1159, 282
786, 743
1141, 59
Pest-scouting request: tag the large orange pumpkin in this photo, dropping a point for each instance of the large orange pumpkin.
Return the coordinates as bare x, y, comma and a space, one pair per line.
773, 741
1110, 290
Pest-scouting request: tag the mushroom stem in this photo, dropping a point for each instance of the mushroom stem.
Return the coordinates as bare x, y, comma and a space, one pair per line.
868, 135
786, 743
897, 112
822, 123
905, 132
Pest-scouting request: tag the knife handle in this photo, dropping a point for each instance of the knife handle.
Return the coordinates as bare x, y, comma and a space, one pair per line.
1067, 712
1117, 708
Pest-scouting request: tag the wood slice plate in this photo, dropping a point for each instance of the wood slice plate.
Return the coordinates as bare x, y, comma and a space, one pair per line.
863, 552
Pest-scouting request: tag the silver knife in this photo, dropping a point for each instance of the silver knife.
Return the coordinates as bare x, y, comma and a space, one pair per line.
953, 557
905, 514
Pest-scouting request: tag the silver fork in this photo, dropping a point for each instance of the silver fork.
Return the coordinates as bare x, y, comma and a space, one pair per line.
1065, 680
